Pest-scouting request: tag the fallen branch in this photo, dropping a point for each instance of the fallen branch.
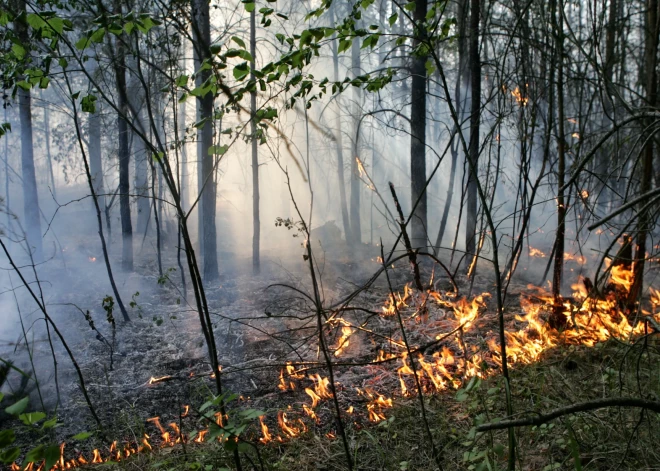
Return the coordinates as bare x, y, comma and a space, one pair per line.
572, 409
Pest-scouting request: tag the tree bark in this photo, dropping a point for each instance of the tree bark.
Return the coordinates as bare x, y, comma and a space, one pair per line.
356, 227
475, 76
95, 155
124, 155
339, 137
644, 219
418, 132
558, 319
30, 195
201, 43
460, 93
256, 223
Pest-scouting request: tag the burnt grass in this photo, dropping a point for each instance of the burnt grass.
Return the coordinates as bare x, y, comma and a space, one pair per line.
259, 327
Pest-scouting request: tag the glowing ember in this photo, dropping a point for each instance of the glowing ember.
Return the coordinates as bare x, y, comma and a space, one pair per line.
154, 380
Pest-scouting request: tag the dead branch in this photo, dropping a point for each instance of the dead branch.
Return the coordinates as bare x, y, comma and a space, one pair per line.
572, 409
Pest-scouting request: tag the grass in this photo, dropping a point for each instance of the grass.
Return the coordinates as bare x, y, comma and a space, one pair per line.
607, 439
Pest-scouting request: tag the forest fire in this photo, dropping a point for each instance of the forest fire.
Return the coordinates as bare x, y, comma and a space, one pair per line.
589, 320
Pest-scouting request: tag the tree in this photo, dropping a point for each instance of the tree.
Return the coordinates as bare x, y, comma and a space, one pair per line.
418, 128
256, 224
475, 116
30, 193
201, 27
119, 64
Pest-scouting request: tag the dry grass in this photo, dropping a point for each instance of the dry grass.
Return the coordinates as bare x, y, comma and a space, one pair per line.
602, 440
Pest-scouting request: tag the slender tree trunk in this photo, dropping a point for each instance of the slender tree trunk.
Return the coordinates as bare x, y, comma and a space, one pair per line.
558, 319
123, 154
95, 154
356, 187
475, 79
418, 132
49, 155
460, 92
644, 219
202, 40
28, 174
256, 224
339, 137
140, 156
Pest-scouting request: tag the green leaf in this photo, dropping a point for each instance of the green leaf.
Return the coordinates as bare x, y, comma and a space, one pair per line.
182, 81
63, 62
430, 67
82, 43
241, 71
7, 437
50, 423
32, 418
344, 44
82, 436
18, 407
249, 6
43, 83
35, 21
410, 6
2, 396
98, 35
10, 455
88, 103
19, 51
218, 150
57, 24
34, 455
238, 41
51, 455
128, 27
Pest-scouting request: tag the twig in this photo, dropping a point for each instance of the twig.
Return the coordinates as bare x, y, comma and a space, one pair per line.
572, 409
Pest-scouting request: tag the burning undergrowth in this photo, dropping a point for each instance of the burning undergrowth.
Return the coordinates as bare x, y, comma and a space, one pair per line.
271, 358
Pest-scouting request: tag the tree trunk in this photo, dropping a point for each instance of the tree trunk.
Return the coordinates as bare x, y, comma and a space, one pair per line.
256, 224
356, 187
644, 219
49, 156
339, 137
123, 154
475, 76
418, 133
460, 93
95, 154
28, 175
558, 320
202, 40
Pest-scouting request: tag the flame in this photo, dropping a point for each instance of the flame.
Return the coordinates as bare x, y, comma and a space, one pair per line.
154, 380
536, 253
579, 259
186, 409
264, 431
346, 331
375, 405
286, 426
291, 373
200, 436
521, 100
91, 259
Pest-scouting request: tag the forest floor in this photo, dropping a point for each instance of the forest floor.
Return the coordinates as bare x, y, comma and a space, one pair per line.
261, 325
